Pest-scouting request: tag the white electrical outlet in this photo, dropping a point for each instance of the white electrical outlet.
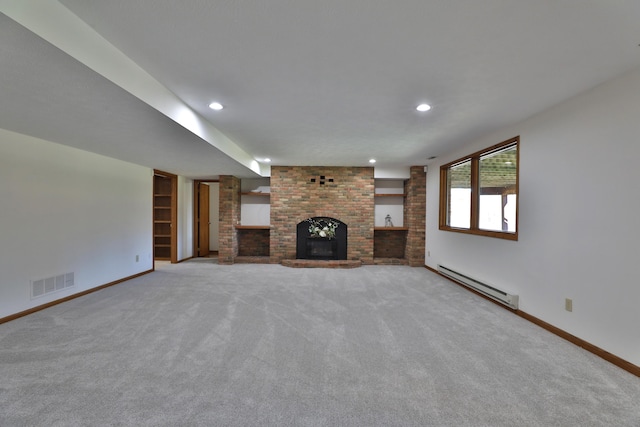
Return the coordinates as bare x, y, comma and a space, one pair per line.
137, 258
568, 304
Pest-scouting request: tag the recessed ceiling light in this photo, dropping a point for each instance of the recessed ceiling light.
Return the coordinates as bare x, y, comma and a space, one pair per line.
216, 106
372, 161
267, 160
423, 107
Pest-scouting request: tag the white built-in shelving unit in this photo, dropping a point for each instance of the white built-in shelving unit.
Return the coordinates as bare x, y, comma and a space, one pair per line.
255, 207
389, 200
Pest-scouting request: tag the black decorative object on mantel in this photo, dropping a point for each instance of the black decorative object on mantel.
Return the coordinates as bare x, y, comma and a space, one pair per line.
321, 238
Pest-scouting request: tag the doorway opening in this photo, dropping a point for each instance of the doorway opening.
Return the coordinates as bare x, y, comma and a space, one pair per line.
205, 218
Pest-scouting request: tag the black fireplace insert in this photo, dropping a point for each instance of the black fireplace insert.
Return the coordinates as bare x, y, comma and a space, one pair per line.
321, 238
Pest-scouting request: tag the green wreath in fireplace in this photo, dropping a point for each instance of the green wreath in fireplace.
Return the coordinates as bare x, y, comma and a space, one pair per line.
322, 227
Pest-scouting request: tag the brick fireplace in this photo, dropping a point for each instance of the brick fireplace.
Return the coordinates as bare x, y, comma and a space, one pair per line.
300, 192
346, 193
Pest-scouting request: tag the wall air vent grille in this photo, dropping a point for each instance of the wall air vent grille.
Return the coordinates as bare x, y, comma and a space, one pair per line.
49, 285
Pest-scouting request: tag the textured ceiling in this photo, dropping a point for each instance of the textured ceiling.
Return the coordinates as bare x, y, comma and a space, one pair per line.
328, 82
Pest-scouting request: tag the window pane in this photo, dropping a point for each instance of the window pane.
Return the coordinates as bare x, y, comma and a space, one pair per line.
490, 212
497, 174
510, 212
459, 195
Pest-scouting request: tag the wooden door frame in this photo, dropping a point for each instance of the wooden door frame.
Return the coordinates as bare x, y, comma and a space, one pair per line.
174, 216
196, 199
204, 220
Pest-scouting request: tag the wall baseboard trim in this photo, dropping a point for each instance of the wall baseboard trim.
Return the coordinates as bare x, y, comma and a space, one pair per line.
609, 357
69, 298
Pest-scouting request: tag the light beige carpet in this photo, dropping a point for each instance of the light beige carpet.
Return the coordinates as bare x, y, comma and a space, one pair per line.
199, 344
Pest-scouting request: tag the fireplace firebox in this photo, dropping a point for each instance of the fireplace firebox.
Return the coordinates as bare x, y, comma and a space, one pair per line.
321, 238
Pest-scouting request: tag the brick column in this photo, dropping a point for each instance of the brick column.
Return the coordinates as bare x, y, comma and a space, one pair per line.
229, 216
415, 215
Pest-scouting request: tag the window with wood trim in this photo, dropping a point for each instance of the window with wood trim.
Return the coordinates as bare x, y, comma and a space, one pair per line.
479, 192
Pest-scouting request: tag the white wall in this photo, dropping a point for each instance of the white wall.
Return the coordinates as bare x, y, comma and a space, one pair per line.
185, 218
579, 204
66, 210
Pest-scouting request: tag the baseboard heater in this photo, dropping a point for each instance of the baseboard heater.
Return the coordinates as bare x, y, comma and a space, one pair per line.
485, 289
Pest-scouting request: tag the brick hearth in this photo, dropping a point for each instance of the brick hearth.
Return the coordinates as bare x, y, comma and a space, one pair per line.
315, 263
